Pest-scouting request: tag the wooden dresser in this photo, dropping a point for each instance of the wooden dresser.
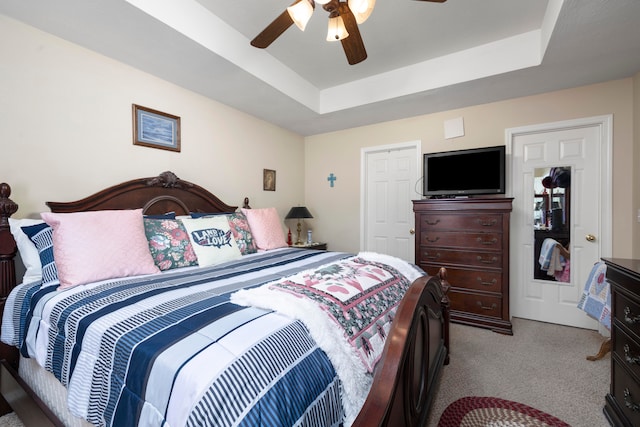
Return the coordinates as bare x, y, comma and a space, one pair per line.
470, 237
622, 407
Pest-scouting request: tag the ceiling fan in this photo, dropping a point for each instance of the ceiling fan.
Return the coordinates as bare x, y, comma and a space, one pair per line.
344, 17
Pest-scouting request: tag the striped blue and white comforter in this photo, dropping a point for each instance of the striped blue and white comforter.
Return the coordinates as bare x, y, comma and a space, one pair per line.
171, 350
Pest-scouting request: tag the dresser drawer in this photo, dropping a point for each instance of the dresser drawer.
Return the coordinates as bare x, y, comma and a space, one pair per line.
627, 312
449, 221
488, 281
626, 391
457, 257
485, 305
480, 280
628, 351
469, 240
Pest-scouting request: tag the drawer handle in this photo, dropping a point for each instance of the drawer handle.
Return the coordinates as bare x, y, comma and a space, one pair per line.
487, 261
628, 403
487, 242
630, 320
484, 307
486, 222
484, 282
433, 257
632, 360
436, 222
432, 240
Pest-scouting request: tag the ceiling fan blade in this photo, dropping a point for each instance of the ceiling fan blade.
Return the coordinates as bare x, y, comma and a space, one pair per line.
434, 1
273, 30
353, 45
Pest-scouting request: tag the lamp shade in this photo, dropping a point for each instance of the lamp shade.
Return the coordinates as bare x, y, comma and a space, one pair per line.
361, 9
336, 30
301, 13
299, 212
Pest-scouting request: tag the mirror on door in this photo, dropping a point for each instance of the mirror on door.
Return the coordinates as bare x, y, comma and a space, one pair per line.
552, 223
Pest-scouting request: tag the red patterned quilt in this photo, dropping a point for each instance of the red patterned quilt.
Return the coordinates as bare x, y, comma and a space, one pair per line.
348, 307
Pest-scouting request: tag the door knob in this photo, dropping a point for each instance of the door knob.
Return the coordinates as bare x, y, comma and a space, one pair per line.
412, 231
590, 237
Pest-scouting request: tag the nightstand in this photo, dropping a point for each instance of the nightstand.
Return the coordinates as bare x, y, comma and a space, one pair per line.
315, 245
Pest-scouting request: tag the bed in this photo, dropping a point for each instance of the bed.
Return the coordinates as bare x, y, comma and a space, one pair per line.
261, 348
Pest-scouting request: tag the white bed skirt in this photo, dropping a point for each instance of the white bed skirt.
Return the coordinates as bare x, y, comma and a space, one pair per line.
49, 389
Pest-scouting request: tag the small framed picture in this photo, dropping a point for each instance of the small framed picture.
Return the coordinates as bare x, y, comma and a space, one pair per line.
268, 180
152, 128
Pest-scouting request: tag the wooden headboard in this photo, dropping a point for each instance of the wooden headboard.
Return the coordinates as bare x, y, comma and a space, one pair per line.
155, 195
163, 193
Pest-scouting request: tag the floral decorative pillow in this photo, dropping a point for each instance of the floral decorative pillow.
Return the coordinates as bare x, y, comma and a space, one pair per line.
242, 233
169, 243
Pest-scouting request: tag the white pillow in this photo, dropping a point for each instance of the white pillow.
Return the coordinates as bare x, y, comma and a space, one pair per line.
28, 251
212, 239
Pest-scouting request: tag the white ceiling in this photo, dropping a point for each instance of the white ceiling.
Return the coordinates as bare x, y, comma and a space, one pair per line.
422, 57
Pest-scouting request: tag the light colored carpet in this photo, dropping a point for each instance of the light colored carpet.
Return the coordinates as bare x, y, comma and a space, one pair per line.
10, 420
542, 365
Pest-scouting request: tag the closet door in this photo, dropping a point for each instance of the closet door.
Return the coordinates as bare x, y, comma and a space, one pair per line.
390, 176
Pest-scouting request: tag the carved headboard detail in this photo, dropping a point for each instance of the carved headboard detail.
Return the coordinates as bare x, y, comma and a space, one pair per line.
155, 195
168, 179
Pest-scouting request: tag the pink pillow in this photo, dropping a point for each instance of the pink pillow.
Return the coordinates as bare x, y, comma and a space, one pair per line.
98, 245
266, 228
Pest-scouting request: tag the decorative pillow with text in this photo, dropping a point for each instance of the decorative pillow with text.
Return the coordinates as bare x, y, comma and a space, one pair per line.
212, 239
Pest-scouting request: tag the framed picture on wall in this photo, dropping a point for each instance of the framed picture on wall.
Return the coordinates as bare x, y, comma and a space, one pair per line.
268, 180
155, 129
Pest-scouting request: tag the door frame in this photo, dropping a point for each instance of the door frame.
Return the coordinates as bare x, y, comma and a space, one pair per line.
605, 124
364, 153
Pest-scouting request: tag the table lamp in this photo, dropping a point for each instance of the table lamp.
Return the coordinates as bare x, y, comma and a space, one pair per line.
299, 212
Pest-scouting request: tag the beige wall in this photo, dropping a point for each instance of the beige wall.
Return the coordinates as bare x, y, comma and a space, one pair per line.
66, 130
337, 210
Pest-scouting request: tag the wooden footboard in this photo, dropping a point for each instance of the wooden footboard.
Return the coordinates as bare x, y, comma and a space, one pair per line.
417, 347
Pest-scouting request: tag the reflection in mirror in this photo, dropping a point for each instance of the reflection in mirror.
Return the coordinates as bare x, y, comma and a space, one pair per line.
552, 223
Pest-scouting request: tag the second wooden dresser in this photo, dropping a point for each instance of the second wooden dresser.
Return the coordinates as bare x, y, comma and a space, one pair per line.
470, 237
622, 406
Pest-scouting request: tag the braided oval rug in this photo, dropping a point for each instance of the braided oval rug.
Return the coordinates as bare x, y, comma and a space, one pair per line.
495, 412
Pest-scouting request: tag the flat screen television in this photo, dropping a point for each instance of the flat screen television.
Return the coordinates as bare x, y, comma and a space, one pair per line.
464, 172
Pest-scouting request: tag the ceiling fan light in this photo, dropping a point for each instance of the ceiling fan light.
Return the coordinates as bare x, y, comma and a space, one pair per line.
337, 30
301, 13
361, 9
322, 1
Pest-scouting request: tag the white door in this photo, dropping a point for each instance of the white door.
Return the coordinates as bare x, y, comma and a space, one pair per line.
390, 176
584, 147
